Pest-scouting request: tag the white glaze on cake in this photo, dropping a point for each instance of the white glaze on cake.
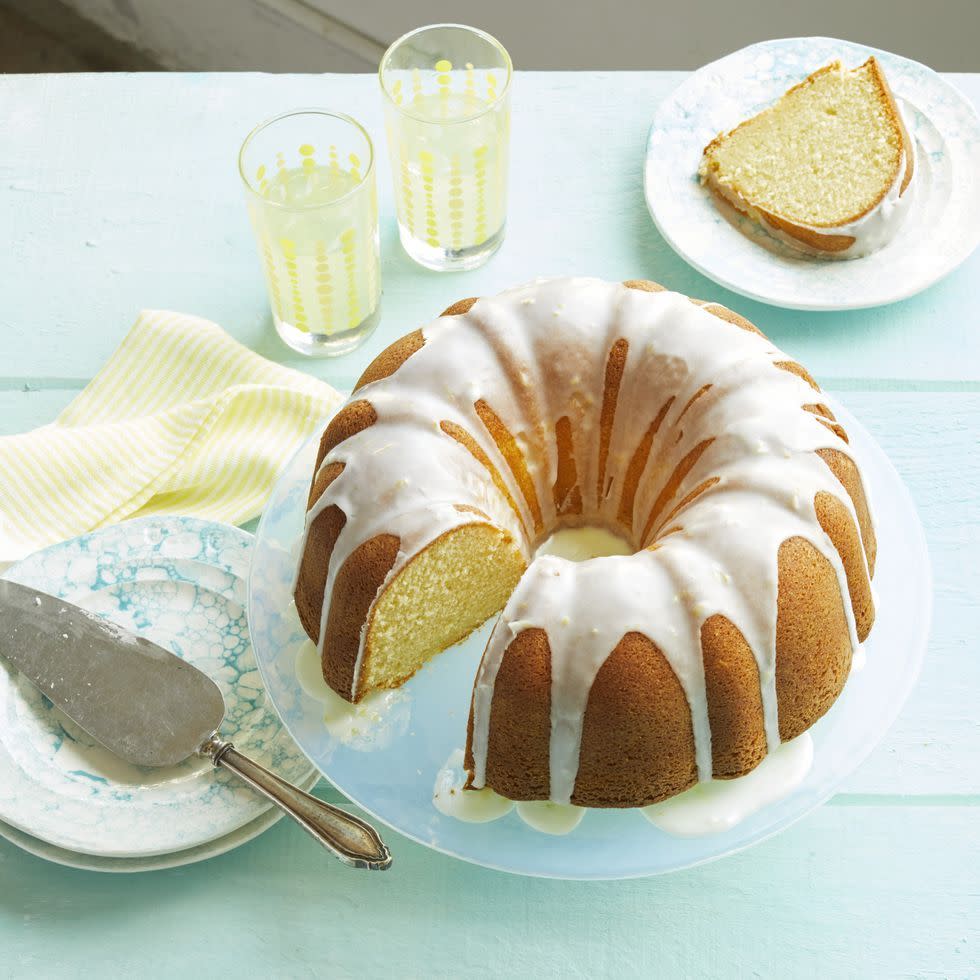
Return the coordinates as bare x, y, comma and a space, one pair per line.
535, 354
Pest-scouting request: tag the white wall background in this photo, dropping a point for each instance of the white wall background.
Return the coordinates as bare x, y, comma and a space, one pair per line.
350, 35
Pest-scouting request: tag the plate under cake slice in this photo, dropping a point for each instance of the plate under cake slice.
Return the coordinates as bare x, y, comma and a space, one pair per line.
826, 169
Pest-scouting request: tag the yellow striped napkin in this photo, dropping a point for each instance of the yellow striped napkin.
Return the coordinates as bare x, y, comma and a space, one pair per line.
182, 420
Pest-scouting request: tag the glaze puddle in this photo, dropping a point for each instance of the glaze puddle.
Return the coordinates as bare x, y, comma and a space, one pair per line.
720, 804
583, 543
470, 806
709, 808
370, 724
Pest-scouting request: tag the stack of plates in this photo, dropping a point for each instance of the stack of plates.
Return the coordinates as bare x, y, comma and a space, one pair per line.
181, 583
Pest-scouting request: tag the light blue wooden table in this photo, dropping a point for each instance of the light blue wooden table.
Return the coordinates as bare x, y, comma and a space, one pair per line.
119, 192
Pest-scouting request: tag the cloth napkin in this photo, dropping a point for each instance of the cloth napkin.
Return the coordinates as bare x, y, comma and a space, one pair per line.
182, 420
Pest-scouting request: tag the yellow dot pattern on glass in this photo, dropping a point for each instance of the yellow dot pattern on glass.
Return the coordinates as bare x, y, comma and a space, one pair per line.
480, 195
333, 160
407, 192
455, 204
306, 150
371, 259
428, 193
299, 317
355, 166
324, 284
348, 245
269, 262
444, 81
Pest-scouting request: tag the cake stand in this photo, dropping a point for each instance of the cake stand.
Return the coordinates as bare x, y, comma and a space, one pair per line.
392, 776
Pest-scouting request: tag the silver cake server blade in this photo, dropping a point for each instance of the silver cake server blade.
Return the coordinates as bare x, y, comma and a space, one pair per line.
140, 701
151, 708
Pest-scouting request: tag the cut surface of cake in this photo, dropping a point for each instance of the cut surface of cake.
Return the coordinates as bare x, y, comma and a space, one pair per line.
827, 169
674, 425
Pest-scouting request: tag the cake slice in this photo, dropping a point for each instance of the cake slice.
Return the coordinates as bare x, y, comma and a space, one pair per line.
826, 169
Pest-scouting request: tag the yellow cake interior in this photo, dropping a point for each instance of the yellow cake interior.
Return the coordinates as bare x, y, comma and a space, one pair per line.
822, 156
455, 585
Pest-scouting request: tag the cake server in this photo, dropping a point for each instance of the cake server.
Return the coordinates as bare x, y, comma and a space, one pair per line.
153, 709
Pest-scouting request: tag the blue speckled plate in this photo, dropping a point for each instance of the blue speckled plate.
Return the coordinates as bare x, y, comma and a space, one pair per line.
181, 583
392, 775
154, 862
940, 231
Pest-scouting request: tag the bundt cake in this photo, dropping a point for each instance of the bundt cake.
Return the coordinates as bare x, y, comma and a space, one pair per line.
617, 681
827, 169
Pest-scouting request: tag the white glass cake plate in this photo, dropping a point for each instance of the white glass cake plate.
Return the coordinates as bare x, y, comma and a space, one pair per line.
940, 231
392, 779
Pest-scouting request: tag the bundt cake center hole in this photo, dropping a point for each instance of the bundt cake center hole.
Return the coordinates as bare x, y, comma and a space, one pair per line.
583, 543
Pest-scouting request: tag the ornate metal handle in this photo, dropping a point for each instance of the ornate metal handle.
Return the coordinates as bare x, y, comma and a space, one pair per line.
349, 838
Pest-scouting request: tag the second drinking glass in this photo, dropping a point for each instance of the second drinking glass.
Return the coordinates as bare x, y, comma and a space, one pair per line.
447, 114
309, 184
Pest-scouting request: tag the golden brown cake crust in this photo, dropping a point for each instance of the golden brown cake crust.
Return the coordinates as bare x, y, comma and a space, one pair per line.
460, 306
845, 469
835, 519
358, 582
566, 491
896, 117
615, 366
723, 313
738, 739
813, 649
520, 721
817, 240
324, 531
637, 749
391, 358
514, 458
354, 417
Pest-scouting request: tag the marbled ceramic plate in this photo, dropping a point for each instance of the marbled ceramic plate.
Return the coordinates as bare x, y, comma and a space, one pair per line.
156, 862
940, 231
390, 769
179, 582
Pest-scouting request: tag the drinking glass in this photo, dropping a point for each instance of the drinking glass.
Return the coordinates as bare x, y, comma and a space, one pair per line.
311, 195
447, 115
